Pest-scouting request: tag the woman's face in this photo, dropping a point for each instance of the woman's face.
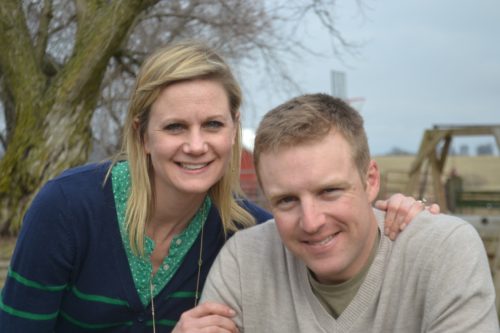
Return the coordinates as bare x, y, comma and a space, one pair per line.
189, 137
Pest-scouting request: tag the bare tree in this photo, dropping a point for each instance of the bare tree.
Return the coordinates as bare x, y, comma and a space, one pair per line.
67, 67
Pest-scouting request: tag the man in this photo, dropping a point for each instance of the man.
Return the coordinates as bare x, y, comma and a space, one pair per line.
324, 264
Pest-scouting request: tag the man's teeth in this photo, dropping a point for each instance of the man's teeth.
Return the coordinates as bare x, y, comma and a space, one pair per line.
323, 242
193, 166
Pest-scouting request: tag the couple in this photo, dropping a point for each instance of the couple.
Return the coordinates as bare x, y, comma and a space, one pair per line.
126, 246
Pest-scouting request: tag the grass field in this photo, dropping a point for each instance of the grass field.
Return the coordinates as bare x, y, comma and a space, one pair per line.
480, 173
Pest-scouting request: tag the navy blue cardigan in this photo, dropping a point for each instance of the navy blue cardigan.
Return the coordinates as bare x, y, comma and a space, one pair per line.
69, 271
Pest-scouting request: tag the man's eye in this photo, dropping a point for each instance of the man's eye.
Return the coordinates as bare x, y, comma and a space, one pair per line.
331, 192
285, 202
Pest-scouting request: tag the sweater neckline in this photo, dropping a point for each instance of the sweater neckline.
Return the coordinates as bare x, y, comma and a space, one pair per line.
361, 302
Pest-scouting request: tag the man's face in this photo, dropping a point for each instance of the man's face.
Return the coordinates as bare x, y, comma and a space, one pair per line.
321, 206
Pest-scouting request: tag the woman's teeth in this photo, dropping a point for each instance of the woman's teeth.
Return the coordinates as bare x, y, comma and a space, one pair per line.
193, 166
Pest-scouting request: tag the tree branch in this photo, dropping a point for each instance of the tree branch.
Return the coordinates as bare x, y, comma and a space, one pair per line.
92, 51
127, 62
9, 110
42, 35
17, 61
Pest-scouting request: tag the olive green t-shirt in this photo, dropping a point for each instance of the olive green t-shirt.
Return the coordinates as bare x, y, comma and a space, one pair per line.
336, 297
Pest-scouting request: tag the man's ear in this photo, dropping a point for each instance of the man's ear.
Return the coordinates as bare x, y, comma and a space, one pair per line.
372, 181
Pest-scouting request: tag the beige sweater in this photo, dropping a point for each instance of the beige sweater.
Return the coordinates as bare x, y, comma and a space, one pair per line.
434, 278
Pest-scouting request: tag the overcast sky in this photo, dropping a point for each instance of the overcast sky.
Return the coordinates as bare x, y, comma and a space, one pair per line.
423, 62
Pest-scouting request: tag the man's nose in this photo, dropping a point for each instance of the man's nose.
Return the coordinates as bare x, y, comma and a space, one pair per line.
312, 218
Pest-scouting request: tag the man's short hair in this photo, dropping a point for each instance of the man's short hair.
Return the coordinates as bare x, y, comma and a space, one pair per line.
309, 118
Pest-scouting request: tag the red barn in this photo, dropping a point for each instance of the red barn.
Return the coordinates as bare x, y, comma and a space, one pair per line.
248, 178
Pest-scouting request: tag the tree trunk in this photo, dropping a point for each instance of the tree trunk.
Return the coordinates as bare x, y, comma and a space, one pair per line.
41, 148
52, 114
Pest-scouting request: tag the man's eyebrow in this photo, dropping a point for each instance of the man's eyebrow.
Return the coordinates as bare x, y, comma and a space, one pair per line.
274, 194
277, 195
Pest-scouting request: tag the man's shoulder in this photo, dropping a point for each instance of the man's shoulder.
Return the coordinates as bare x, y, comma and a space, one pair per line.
431, 226
437, 233
259, 238
438, 225
264, 231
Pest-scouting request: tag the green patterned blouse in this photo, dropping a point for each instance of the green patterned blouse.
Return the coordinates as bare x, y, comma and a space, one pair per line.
141, 266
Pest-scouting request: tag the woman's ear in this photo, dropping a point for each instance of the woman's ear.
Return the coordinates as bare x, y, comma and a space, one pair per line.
136, 125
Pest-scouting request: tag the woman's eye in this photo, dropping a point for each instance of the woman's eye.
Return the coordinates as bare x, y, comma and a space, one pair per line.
214, 124
175, 127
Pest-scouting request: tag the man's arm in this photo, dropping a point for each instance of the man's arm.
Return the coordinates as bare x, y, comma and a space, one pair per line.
223, 284
461, 296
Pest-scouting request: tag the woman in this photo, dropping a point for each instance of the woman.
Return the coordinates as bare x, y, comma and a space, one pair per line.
126, 246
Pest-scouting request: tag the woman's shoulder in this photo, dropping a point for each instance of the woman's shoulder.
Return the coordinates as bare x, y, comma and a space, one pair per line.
70, 199
86, 171
75, 185
260, 214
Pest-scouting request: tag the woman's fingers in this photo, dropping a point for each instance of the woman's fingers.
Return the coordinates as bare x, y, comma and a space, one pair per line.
207, 317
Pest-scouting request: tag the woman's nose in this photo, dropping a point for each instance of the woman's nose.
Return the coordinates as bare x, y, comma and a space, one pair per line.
195, 143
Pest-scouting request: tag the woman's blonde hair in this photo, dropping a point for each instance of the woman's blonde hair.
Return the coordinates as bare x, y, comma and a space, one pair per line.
183, 61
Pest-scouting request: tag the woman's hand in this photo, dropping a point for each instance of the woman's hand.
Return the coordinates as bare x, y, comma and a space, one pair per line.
207, 317
400, 210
